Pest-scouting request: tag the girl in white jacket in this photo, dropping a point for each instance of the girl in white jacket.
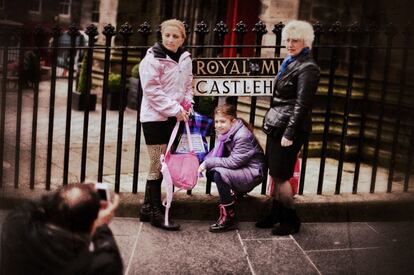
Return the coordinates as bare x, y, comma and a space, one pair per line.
166, 79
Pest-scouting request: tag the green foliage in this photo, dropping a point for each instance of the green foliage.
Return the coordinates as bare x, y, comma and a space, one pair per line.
82, 75
135, 71
114, 83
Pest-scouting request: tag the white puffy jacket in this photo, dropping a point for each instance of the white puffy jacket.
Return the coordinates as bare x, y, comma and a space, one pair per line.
165, 84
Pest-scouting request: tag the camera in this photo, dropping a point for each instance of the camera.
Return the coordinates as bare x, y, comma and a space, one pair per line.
103, 192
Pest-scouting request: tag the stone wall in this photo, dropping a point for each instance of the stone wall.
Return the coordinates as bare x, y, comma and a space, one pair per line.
273, 12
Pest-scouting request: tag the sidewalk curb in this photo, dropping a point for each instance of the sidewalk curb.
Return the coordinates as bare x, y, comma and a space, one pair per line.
311, 208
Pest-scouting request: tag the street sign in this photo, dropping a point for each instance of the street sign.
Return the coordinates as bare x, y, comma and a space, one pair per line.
234, 76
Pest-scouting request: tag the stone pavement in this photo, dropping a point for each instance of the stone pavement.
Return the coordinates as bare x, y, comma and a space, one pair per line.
319, 248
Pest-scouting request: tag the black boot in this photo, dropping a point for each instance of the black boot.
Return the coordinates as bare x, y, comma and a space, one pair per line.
157, 217
289, 224
272, 218
145, 212
226, 220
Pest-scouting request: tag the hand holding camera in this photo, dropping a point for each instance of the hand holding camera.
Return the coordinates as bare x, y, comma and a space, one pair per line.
109, 203
103, 191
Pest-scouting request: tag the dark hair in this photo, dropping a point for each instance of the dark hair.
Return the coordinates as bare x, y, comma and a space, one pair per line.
226, 110
74, 207
230, 111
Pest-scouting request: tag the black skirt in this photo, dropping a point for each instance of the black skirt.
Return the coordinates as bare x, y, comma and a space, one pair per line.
281, 160
158, 132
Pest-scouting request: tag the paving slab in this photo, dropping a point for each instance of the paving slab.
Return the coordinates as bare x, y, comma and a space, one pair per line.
248, 231
363, 261
399, 233
126, 232
193, 250
326, 236
359, 248
278, 256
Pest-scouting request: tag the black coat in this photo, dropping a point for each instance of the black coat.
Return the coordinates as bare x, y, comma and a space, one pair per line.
292, 99
29, 245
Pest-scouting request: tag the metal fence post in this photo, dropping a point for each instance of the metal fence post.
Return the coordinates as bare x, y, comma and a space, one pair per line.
351, 68
220, 30
407, 36
108, 32
3, 109
277, 30
408, 164
335, 29
73, 33
18, 120
390, 32
201, 30
125, 31
353, 55
56, 32
370, 31
145, 30
260, 30
318, 29
91, 32
38, 35
240, 30
187, 32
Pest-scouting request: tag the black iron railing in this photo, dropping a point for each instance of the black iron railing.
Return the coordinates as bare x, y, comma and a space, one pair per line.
362, 112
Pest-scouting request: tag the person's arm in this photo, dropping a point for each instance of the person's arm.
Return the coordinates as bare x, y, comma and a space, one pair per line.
106, 258
149, 72
308, 79
189, 81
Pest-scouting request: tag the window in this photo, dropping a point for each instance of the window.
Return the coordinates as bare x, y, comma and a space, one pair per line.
35, 6
65, 7
95, 10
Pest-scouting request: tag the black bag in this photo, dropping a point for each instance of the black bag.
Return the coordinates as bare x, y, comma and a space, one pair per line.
276, 117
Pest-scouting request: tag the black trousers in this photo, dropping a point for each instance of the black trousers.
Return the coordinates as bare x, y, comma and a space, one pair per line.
223, 189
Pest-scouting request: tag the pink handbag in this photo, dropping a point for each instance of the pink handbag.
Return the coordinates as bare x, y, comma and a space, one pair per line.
180, 170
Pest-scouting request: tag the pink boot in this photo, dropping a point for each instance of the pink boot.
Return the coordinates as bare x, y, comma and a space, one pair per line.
226, 220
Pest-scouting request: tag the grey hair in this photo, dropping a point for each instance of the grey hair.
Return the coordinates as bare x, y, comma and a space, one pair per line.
297, 29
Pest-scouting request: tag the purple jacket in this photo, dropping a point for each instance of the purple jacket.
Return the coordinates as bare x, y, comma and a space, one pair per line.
243, 167
165, 84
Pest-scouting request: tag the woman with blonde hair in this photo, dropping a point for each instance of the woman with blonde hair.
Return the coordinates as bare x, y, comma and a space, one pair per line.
288, 122
166, 79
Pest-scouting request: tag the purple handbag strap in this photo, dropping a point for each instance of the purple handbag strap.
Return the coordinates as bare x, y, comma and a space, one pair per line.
174, 134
